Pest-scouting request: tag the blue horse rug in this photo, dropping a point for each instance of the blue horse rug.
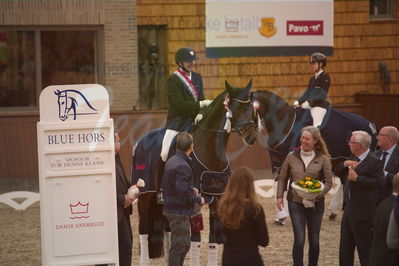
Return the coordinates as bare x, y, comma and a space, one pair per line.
336, 130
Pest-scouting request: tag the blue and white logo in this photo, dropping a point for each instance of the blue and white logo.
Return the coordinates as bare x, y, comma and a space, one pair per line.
67, 104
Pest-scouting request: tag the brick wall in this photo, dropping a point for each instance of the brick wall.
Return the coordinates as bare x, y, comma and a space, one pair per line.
359, 45
118, 38
120, 43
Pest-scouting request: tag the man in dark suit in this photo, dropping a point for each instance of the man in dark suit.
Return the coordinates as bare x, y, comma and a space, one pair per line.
185, 97
380, 253
363, 178
388, 138
124, 207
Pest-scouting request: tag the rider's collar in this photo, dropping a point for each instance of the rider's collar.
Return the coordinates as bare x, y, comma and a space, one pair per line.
185, 71
317, 74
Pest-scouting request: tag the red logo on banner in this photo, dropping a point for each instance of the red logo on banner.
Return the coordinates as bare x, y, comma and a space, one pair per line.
79, 210
304, 27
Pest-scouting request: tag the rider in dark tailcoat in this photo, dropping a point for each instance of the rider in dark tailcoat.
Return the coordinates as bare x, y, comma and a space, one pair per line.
185, 97
315, 95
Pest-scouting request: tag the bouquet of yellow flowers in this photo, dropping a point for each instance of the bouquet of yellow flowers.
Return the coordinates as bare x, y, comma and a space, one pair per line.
308, 189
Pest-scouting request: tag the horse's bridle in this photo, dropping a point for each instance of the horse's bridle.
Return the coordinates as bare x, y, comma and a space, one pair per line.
242, 127
239, 128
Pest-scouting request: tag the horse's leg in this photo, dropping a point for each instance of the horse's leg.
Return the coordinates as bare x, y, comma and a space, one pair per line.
215, 234
144, 227
195, 249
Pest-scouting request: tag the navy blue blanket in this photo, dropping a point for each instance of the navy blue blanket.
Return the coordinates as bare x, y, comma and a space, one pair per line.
336, 130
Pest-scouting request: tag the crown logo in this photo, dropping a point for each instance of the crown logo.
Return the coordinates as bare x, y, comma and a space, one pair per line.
79, 209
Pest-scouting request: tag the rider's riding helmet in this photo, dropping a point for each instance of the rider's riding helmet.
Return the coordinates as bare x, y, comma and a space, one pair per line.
185, 55
319, 58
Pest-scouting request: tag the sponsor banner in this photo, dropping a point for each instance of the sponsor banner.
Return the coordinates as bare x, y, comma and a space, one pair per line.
77, 176
268, 24
305, 27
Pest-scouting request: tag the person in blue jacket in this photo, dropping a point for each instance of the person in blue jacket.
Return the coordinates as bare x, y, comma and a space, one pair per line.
179, 197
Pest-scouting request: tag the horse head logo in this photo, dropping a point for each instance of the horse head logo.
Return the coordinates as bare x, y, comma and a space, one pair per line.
67, 104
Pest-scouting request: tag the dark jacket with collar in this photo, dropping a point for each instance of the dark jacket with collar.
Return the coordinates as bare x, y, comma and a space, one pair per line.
316, 93
380, 254
364, 192
293, 169
122, 186
125, 240
183, 107
177, 185
392, 168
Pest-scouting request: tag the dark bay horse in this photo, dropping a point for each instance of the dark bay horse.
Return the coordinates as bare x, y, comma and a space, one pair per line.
232, 109
284, 124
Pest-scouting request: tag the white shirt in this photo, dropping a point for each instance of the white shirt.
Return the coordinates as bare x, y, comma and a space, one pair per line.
188, 75
363, 155
317, 74
307, 157
389, 151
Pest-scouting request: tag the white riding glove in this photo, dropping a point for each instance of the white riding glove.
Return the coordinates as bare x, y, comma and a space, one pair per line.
296, 104
198, 118
205, 103
305, 105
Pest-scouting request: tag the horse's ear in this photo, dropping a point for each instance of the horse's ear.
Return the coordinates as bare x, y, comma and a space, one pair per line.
228, 87
249, 85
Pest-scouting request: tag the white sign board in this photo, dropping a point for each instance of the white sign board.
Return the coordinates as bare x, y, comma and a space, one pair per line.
268, 27
77, 176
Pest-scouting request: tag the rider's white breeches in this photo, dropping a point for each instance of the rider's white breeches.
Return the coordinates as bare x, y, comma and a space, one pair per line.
167, 140
318, 114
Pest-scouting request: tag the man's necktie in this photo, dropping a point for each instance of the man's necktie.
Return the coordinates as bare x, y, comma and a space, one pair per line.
384, 157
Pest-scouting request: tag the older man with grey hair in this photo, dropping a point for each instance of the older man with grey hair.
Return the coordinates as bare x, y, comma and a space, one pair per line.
388, 153
363, 177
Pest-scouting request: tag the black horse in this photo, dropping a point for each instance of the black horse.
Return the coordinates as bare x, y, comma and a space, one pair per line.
232, 109
284, 124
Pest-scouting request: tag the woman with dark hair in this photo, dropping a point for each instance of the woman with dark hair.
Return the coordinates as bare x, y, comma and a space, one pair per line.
243, 219
311, 160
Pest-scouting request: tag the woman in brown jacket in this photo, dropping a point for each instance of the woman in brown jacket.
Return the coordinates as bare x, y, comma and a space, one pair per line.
311, 159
